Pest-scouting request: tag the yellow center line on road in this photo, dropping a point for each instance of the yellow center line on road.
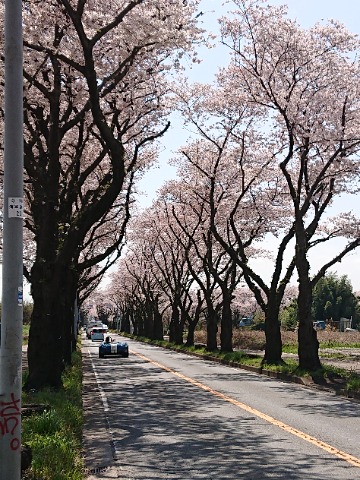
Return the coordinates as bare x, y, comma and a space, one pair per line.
294, 431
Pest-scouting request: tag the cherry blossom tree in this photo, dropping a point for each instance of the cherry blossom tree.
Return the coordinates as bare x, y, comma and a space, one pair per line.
124, 292
279, 141
188, 226
171, 267
189, 210
152, 240
232, 168
306, 83
95, 100
278, 126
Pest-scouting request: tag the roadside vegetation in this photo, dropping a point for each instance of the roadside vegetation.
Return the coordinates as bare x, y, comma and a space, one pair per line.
248, 346
255, 339
55, 434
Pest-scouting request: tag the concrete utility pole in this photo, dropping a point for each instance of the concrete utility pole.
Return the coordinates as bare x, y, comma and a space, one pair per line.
12, 272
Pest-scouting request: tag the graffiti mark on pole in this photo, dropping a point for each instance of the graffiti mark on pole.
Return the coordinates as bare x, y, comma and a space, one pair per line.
10, 419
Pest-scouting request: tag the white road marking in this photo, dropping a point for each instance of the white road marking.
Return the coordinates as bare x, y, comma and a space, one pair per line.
101, 391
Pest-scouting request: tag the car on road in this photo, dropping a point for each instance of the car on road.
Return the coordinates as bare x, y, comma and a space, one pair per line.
245, 322
319, 325
97, 334
96, 325
112, 348
91, 326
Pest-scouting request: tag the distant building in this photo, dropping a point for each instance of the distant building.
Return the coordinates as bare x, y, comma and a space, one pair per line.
344, 324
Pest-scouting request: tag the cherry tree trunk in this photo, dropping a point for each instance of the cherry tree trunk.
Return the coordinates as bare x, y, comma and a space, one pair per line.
148, 321
308, 348
273, 345
67, 311
135, 322
125, 322
211, 327
226, 324
139, 324
193, 320
158, 333
175, 327
190, 339
50, 324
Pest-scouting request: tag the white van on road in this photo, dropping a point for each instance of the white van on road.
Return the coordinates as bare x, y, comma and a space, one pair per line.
97, 334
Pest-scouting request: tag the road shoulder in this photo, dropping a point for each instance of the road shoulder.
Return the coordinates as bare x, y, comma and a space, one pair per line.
98, 452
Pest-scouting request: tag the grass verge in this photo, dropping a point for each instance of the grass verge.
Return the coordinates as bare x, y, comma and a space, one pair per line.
55, 435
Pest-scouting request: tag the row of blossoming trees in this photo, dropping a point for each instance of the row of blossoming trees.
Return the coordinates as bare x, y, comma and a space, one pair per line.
275, 141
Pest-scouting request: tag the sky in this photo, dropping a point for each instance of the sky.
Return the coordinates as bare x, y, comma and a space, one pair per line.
307, 13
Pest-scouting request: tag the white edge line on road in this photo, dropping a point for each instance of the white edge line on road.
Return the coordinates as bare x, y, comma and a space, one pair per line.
106, 408
101, 391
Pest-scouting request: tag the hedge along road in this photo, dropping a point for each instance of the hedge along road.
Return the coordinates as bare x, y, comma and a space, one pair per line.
160, 414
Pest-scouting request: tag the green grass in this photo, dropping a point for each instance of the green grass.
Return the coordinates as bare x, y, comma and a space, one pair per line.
26, 329
353, 382
290, 349
294, 348
55, 435
334, 344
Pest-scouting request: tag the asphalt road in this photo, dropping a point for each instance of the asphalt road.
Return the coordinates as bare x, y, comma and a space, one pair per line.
163, 415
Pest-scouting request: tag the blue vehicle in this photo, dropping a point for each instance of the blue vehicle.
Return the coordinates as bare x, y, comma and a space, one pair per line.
245, 322
111, 348
319, 325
